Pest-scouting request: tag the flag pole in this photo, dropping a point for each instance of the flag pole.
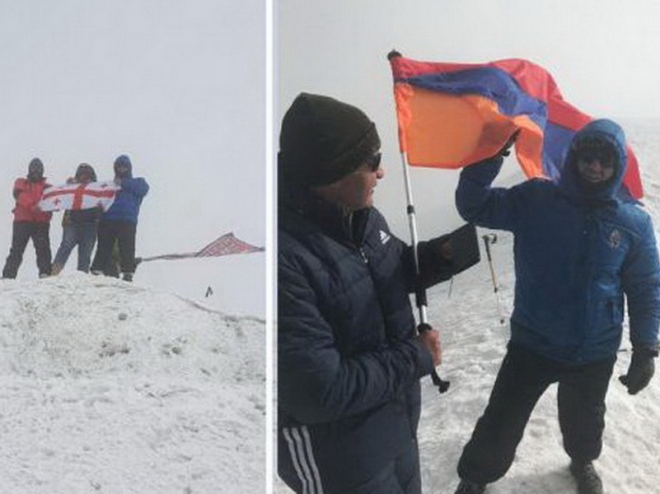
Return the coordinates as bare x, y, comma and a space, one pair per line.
420, 292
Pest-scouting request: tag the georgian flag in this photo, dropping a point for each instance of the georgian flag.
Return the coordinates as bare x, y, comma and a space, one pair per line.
79, 196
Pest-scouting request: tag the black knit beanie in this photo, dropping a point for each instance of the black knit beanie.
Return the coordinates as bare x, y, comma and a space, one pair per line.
323, 140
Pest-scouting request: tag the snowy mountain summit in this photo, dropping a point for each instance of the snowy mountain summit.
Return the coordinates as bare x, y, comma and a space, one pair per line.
107, 386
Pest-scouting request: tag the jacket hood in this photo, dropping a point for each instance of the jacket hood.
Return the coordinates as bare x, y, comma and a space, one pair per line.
124, 161
608, 132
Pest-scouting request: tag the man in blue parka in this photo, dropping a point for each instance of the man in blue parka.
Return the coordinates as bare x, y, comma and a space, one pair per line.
349, 356
118, 224
578, 251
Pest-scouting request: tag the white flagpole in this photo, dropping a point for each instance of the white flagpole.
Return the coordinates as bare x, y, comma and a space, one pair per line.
420, 292
412, 225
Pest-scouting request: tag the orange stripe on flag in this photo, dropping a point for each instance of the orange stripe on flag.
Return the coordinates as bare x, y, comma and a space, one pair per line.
466, 129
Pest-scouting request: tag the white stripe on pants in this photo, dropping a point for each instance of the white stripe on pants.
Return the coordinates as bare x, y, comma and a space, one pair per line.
302, 456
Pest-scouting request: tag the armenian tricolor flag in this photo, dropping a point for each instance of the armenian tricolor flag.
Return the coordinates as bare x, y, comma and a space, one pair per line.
451, 115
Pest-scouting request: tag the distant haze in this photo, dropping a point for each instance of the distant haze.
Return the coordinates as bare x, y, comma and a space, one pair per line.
602, 54
178, 86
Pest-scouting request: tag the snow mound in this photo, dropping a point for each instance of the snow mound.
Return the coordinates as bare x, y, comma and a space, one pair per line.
108, 386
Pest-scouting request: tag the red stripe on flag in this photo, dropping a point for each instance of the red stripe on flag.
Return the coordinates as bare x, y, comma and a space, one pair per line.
78, 196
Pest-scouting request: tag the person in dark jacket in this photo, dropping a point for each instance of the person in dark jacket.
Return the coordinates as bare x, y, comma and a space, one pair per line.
349, 356
78, 227
579, 250
30, 222
119, 223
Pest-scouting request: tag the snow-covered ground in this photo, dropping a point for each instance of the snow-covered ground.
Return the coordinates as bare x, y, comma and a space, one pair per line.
474, 343
237, 282
113, 387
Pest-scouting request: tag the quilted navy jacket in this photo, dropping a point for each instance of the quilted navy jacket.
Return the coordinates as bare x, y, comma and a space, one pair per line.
348, 367
576, 255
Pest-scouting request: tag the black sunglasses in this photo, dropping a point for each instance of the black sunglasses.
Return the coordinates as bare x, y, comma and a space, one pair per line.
591, 149
373, 161
604, 157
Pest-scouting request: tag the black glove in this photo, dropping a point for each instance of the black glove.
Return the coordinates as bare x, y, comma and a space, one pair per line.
506, 149
640, 371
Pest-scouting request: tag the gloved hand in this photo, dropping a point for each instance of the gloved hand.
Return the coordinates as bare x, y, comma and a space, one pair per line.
640, 371
506, 149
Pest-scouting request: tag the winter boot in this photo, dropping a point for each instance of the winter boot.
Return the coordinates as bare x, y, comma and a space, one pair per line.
587, 478
467, 487
128, 277
56, 269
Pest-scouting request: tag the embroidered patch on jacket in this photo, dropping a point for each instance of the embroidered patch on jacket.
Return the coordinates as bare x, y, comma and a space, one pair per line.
615, 238
384, 237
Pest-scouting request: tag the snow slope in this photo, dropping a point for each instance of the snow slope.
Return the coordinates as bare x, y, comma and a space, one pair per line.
474, 343
111, 387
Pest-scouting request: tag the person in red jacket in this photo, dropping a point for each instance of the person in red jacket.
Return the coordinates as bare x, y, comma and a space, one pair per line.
30, 222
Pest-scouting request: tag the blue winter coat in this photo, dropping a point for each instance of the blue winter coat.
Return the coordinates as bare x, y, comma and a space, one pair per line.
348, 365
126, 206
576, 255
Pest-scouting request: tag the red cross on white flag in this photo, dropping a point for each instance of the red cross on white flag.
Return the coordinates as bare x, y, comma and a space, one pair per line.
79, 196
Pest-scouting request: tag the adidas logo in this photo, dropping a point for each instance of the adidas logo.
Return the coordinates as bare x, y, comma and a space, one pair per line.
384, 237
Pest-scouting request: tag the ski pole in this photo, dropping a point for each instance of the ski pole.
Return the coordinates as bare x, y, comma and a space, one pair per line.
490, 239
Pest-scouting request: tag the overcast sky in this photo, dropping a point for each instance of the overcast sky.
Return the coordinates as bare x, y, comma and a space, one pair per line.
179, 86
603, 55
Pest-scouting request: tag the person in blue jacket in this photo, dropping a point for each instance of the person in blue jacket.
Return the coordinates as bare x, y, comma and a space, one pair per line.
578, 251
119, 223
349, 355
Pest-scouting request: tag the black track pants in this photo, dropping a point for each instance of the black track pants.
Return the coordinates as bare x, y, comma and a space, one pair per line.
22, 232
521, 381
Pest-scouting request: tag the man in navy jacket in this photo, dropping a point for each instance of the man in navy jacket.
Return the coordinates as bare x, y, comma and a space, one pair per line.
578, 250
349, 355
119, 223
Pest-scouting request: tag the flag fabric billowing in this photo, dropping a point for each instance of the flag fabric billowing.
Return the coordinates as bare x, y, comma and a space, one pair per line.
227, 244
79, 196
453, 114
224, 245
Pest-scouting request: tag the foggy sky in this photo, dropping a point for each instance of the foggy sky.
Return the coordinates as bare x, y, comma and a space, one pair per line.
602, 54
178, 86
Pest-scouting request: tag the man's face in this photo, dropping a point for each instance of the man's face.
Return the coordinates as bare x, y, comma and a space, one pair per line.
121, 170
594, 170
596, 163
356, 190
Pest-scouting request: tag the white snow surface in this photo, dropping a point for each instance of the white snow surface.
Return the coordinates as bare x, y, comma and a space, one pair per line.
113, 387
474, 343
